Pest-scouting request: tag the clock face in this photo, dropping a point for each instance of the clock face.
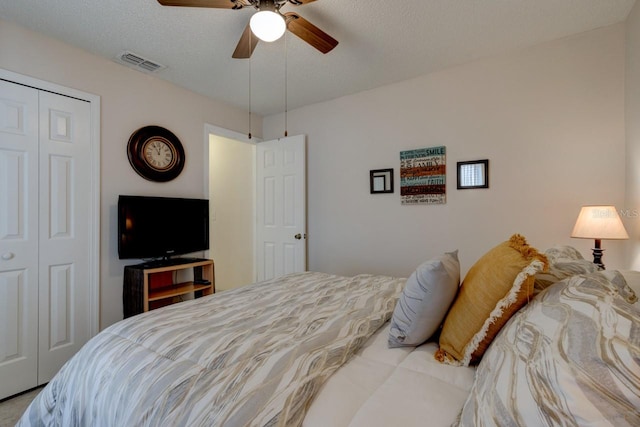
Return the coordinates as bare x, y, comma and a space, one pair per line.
155, 153
158, 153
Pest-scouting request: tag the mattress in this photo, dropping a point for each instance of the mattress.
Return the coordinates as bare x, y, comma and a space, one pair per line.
381, 386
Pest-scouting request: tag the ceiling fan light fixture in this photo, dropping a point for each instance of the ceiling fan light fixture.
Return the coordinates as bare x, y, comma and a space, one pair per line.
268, 25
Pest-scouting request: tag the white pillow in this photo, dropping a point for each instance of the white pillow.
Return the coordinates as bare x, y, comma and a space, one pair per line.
425, 300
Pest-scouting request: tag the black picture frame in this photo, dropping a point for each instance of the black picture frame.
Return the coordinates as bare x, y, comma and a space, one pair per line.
381, 181
473, 174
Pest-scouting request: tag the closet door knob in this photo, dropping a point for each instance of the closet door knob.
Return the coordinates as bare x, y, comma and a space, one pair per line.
7, 256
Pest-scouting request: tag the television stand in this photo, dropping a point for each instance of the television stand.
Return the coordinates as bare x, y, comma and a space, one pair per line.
153, 284
167, 262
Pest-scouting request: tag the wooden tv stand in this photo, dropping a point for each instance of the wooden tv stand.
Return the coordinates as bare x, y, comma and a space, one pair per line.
152, 284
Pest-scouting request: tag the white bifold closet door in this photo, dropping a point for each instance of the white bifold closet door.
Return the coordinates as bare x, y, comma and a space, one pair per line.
45, 189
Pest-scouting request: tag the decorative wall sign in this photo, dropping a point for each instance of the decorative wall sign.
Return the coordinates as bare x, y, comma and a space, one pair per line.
423, 176
473, 174
381, 181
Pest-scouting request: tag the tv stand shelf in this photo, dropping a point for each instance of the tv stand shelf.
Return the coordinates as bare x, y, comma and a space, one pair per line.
153, 282
176, 290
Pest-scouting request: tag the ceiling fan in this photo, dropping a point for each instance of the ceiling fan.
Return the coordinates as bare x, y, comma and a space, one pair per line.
268, 24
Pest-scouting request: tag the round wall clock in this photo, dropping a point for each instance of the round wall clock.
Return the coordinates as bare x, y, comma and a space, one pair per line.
155, 153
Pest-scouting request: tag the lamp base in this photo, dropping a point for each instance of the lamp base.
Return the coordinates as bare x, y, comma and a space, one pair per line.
597, 255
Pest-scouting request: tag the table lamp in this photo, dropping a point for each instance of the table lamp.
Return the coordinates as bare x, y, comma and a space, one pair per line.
599, 223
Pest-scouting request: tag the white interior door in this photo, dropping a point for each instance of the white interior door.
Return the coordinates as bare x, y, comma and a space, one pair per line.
281, 207
18, 238
45, 238
65, 197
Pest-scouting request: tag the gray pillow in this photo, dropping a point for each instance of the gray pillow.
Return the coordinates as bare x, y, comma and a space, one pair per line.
425, 300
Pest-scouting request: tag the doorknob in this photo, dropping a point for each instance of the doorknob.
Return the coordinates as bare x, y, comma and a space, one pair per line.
298, 236
7, 256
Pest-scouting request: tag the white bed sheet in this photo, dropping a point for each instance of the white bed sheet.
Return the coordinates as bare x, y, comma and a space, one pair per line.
383, 386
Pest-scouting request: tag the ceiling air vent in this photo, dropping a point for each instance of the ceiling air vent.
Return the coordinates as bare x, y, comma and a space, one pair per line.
138, 62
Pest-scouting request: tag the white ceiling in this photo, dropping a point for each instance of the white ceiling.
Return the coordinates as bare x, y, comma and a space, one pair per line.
381, 41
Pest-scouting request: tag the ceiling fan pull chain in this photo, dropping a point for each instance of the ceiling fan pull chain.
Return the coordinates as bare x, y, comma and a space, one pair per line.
286, 94
250, 35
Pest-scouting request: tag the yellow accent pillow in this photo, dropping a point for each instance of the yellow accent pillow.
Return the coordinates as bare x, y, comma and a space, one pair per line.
496, 287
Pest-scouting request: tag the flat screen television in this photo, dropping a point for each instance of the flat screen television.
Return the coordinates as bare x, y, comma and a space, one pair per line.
161, 227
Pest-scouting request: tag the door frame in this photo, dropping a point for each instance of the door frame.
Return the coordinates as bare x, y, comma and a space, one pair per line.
241, 138
94, 205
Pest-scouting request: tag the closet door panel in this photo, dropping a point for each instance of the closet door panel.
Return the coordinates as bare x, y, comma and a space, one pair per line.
18, 238
64, 230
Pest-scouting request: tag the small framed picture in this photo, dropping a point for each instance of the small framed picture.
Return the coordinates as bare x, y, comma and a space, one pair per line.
381, 181
473, 174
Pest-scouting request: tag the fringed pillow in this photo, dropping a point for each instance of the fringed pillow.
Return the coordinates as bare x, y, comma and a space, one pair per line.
496, 287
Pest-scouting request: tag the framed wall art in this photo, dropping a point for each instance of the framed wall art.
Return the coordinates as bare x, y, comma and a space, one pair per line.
423, 176
381, 181
473, 174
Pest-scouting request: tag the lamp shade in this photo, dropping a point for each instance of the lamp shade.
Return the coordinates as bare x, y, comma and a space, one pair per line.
599, 222
267, 25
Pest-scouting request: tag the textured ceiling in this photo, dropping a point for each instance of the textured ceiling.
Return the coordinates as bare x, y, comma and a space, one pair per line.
381, 41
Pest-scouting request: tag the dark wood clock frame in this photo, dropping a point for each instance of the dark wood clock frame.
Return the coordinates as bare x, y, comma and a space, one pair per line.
138, 162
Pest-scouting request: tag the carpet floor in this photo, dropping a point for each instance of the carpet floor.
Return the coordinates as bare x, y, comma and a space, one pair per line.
12, 409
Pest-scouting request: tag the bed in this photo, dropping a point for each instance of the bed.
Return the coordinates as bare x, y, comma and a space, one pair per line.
316, 349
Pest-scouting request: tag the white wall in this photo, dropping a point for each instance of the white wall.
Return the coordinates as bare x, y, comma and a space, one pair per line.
549, 118
633, 135
130, 100
232, 195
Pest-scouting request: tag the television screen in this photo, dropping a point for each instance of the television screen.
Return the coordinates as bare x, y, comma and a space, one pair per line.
157, 227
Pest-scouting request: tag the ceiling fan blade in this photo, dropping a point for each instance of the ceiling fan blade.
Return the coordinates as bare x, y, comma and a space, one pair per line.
220, 4
299, 2
310, 33
246, 45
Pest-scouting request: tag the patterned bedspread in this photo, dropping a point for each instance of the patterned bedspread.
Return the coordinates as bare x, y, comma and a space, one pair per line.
253, 356
570, 358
